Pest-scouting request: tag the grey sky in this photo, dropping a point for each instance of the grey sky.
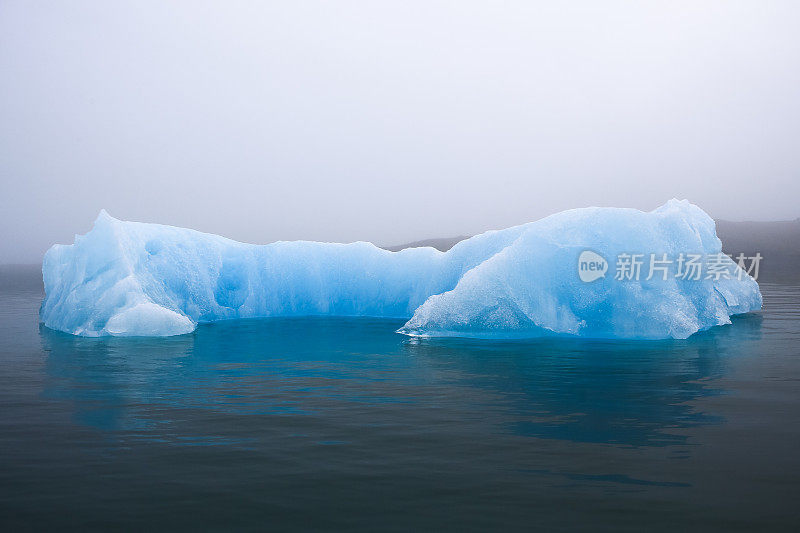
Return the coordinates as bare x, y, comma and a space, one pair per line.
389, 122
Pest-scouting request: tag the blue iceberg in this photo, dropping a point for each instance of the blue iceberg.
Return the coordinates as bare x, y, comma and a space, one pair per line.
593, 272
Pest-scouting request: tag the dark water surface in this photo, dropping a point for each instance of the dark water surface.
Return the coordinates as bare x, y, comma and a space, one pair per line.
328, 424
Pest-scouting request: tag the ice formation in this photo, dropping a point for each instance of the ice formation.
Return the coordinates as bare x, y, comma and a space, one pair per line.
134, 279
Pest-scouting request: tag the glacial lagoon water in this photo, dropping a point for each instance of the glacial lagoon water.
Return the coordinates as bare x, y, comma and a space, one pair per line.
343, 424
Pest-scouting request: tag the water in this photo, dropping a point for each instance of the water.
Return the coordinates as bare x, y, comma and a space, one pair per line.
328, 424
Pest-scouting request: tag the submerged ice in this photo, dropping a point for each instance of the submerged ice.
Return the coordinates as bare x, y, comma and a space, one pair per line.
135, 279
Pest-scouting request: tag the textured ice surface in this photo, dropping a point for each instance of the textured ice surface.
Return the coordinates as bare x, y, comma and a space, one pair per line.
129, 278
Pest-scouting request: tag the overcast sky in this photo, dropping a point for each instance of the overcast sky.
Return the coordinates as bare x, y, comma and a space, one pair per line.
389, 121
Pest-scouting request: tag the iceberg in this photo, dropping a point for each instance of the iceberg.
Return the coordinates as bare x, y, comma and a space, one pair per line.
567, 274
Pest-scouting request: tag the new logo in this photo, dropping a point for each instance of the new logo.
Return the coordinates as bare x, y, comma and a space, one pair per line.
591, 266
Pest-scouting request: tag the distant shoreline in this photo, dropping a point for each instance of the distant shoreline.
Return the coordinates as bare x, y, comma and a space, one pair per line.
778, 242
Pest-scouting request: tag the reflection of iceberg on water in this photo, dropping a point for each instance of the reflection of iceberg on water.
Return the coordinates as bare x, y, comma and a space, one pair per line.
134, 279
564, 389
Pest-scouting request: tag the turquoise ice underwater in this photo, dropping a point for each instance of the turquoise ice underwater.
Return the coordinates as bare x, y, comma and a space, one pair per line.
137, 279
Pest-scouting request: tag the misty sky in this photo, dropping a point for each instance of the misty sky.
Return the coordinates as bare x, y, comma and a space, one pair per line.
389, 121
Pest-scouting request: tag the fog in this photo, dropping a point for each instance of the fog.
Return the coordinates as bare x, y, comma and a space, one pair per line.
389, 122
